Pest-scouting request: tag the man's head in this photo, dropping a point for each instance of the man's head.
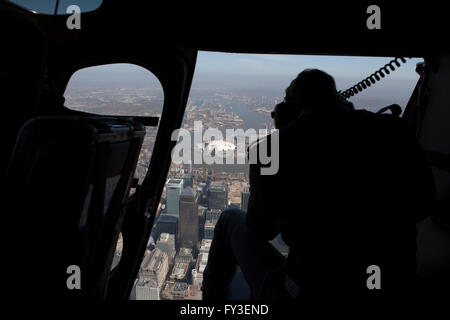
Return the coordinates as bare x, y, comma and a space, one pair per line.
311, 88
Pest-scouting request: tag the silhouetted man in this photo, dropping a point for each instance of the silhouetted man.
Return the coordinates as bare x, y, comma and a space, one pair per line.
350, 188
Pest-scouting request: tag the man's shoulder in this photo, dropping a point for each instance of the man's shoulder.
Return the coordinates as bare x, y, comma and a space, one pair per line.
386, 127
264, 154
261, 141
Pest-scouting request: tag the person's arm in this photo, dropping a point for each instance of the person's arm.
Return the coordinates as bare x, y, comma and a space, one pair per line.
262, 205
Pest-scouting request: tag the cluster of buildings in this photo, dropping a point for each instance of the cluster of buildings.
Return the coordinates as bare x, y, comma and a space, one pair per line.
216, 117
193, 200
173, 265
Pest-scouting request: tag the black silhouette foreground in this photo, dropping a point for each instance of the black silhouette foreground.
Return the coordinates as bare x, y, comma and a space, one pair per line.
350, 189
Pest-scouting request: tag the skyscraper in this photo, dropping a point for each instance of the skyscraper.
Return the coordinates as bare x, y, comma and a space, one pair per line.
209, 229
166, 243
244, 198
174, 188
188, 180
201, 221
147, 289
188, 220
213, 215
218, 195
167, 223
155, 266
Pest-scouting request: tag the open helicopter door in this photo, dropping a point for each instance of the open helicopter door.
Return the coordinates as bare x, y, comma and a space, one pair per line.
175, 69
429, 111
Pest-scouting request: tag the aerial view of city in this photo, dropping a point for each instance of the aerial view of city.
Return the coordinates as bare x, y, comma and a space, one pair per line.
195, 195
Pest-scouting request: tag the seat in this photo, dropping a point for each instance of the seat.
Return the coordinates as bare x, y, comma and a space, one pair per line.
69, 181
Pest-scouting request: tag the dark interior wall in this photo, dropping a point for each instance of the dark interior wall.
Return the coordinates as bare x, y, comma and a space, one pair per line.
434, 233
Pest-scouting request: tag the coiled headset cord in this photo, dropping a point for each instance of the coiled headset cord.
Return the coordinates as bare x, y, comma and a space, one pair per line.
372, 79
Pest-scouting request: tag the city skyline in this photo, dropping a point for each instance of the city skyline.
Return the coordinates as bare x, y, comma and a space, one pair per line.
262, 74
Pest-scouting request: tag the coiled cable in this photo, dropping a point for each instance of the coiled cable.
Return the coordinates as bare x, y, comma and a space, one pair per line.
372, 79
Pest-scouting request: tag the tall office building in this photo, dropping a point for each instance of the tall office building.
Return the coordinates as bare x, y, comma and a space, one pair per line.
166, 223
213, 215
244, 198
218, 195
188, 220
182, 265
188, 180
147, 289
201, 221
209, 229
166, 243
174, 188
197, 278
202, 189
205, 246
155, 267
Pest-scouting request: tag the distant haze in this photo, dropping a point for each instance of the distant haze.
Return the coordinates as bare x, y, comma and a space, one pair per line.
267, 74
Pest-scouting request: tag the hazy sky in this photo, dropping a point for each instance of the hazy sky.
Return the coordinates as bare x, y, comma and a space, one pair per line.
290, 65
272, 73
225, 66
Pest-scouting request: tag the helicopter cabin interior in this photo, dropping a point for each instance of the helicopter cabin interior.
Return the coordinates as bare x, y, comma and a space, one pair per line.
53, 162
